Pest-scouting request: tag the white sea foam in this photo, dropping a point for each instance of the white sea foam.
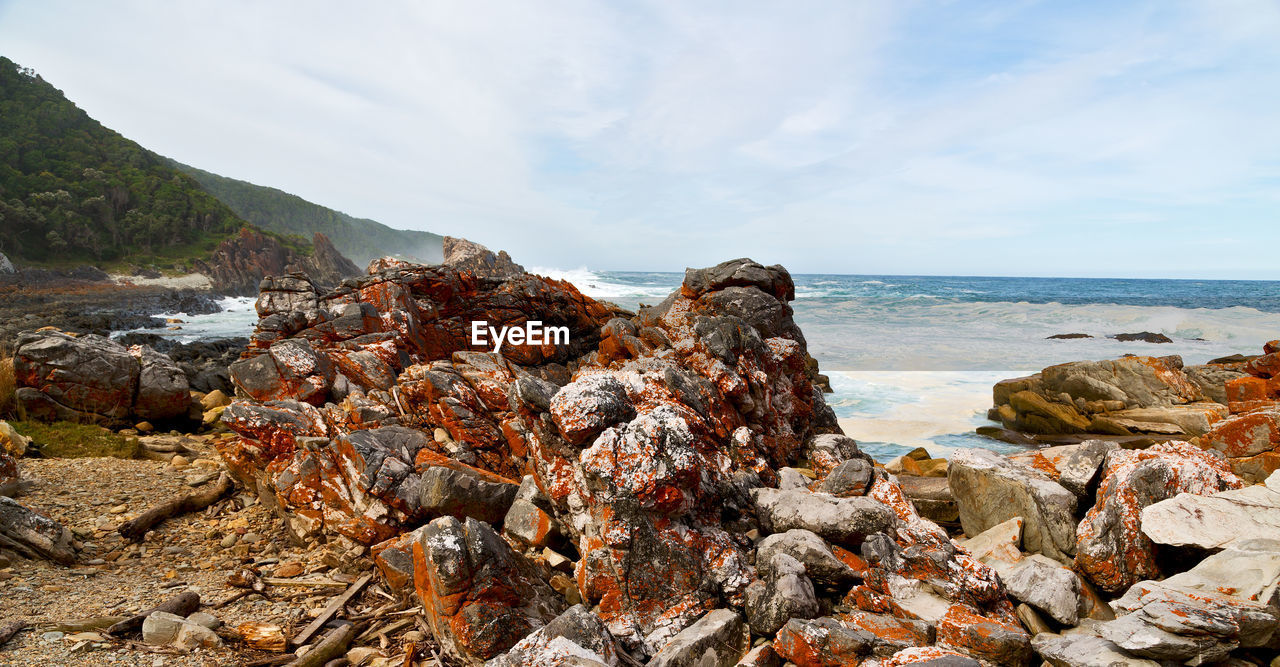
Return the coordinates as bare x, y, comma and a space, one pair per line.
237, 319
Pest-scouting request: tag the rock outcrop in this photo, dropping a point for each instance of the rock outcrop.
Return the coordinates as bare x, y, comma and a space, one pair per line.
93, 379
1111, 549
239, 264
1215, 521
465, 255
649, 447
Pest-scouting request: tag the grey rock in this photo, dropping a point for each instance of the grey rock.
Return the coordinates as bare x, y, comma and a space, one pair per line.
743, 272
163, 392
205, 619
464, 494
5, 265
790, 478
833, 449
1216, 521
589, 405
782, 593
535, 392
1249, 569
1084, 650
851, 478
718, 639
1044, 584
577, 637
1212, 380
164, 629
1136, 381
87, 376
844, 521
932, 498
990, 489
810, 550
467, 255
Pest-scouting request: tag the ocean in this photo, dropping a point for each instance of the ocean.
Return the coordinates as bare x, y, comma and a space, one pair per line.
912, 358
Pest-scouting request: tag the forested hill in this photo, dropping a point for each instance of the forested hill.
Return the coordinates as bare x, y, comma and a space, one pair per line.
360, 239
74, 191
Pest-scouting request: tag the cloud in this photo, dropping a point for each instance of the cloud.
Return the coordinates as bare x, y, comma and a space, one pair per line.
854, 137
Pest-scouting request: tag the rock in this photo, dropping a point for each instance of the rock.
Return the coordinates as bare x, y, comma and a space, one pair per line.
464, 493
204, 619
576, 637
850, 478
12, 442
784, 592
164, 629
238, 264
34, 535
990, 489
1167, 622
1068, 336
1218, 520
828, 450
889, 634
932, 498
844, 521
1044, 584
1245, 437
820, 562
930, 656
1249, 569
1111, 550
214, 399
291, 369
762, 655
588, 406
1191, 419
1001, 541
394, 558
465, 255
6, 267
527, 521
1031, 620
163, 391
1137, 381
791, 478
1002, 642
824, 641
1036, 414
718, 639
1212, 380
1084, 650
480, 597
1074, 467
89, 377
1143, 336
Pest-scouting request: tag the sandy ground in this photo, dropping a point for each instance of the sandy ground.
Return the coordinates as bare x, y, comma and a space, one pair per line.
198, 552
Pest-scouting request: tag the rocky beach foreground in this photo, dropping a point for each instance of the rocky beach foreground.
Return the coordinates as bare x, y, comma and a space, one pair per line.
667, 487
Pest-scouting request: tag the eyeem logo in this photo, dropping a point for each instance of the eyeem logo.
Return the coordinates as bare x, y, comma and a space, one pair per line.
532, 333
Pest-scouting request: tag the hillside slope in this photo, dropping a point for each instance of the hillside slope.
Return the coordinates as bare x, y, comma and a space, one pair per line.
73, 191
360, 239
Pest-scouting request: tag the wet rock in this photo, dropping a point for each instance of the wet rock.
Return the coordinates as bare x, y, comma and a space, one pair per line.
718, 639
990, 489
1218, 520
1143, 336
784, 592
1112, 551
820, 563
576, 637
845, 521
480, 597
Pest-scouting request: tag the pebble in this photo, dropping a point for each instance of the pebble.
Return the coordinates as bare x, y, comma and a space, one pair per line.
119, 509
251, 538
230, 540
52, 636
179, 461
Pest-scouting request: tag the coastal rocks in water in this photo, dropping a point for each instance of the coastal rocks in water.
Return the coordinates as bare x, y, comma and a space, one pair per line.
1143, 336
32, 534
991, 489
480, 596
1111, 549
238, 264
1068, 336
1218, 520
1114, 397
465, 255
91, 378
576, 637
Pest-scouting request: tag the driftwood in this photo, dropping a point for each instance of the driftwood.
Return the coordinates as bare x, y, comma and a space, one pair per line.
333, 645
329, 610
192, 502
34, 535
184, 604
8, 630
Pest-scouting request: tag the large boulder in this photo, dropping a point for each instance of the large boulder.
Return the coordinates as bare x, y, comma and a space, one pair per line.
845, 521
1250, 442
576, 637
1111, 549
469, 256
91, 378
1218, 520
718, 639
991, 489
479, 595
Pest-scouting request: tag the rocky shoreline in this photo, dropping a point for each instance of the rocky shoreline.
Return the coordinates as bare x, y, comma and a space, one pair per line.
670, 488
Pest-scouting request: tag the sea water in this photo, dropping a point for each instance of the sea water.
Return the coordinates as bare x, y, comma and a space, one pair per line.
912, 358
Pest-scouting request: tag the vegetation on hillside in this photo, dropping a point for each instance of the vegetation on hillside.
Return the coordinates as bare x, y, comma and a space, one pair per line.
73, 191
360, 239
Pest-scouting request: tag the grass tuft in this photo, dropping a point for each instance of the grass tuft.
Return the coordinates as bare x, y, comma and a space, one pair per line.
68, 440
7, 403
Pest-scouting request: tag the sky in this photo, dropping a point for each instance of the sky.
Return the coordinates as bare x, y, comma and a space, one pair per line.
1110, 139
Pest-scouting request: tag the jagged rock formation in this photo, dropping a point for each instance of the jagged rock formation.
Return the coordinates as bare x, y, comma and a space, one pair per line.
93, 379
649, 446
465, 255
239, 264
